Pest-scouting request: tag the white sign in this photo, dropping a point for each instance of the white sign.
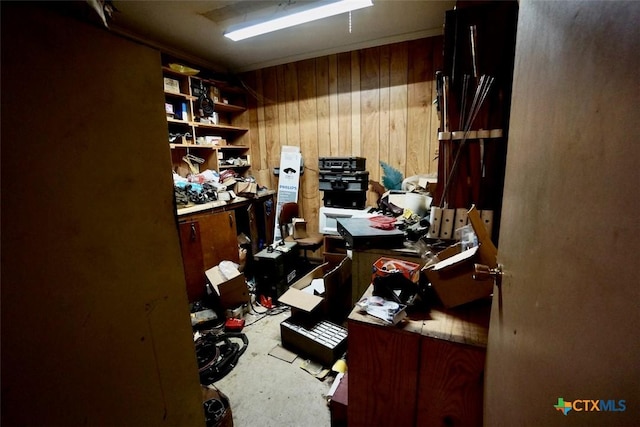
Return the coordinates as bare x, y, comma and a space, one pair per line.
288, 182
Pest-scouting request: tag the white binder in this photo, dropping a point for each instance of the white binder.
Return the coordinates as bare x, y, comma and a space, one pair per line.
435, 216
462, 218
446, 227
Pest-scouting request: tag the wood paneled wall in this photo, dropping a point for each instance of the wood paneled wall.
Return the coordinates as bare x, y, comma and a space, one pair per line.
374, 103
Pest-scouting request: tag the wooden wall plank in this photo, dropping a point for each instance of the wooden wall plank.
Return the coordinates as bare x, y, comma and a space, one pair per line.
356, 112
292, 112
385, 114
398, 106
308, 128
419, 104
344, 105
370, 105
282, 110
271, 122
333, 106
323, 109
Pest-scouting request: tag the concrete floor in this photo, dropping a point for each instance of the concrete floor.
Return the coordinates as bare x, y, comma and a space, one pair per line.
267, 391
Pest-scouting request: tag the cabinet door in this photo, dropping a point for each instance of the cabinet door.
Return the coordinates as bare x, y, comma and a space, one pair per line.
219, 238
253, 228
191, 244
383, 376
451, 384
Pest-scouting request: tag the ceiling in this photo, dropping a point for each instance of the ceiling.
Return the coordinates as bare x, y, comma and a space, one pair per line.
194, 29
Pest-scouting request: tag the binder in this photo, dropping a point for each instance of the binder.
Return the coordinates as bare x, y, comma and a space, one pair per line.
435, 216
462, 218
446, 226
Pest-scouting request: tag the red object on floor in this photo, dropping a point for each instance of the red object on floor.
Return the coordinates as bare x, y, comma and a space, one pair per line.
266, 302
234, 324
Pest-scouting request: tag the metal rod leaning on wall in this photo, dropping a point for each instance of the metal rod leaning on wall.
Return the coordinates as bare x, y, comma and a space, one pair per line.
482, 90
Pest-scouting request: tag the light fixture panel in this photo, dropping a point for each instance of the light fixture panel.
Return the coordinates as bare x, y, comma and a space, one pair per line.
313, 12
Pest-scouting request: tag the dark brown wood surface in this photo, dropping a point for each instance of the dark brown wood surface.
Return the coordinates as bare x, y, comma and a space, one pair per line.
425, 371
383, 376
192, 259
450, 385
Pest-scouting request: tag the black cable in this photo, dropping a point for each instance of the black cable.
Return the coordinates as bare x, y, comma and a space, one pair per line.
274, 311
217, 355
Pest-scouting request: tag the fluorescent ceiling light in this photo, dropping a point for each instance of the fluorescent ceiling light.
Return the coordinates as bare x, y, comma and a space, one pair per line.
322, 10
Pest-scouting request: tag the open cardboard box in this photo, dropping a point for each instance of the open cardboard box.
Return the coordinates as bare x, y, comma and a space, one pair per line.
451, 271
245, 188
306, 331
334, 277
232, 292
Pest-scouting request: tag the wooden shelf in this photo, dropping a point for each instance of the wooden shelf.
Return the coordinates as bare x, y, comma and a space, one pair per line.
220, 127
180, 95
233, 147
229, 108
177, 121
234, 166
200, 146
229, 105
170, 70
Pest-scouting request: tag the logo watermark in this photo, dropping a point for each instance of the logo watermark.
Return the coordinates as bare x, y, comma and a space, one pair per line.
590, 405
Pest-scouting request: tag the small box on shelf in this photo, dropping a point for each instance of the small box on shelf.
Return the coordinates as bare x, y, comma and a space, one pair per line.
171, 85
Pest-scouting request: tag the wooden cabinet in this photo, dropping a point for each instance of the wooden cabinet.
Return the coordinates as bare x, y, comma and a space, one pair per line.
207, 239
206, 123
209, 235
427, 371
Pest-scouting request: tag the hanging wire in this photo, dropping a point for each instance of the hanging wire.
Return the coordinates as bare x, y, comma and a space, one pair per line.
257, 96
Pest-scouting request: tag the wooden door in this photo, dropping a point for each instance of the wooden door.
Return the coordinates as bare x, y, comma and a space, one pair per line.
191, 245
563, 323
93, 304
219, 238
253, 228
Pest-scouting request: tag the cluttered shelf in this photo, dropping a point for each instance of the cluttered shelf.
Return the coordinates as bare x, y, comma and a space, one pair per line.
221, 205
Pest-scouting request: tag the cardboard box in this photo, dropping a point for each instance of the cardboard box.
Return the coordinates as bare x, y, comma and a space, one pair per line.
233, 292
299, 228
318, 305
385, 266
306, 331
171, 85
451, 272
244, 188
323, 341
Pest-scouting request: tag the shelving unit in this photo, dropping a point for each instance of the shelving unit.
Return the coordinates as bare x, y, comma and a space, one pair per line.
474, 98
204, 119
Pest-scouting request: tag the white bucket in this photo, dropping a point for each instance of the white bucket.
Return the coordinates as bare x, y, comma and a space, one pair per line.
417, 203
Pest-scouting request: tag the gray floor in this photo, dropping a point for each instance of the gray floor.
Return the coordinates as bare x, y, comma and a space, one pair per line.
267, 391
